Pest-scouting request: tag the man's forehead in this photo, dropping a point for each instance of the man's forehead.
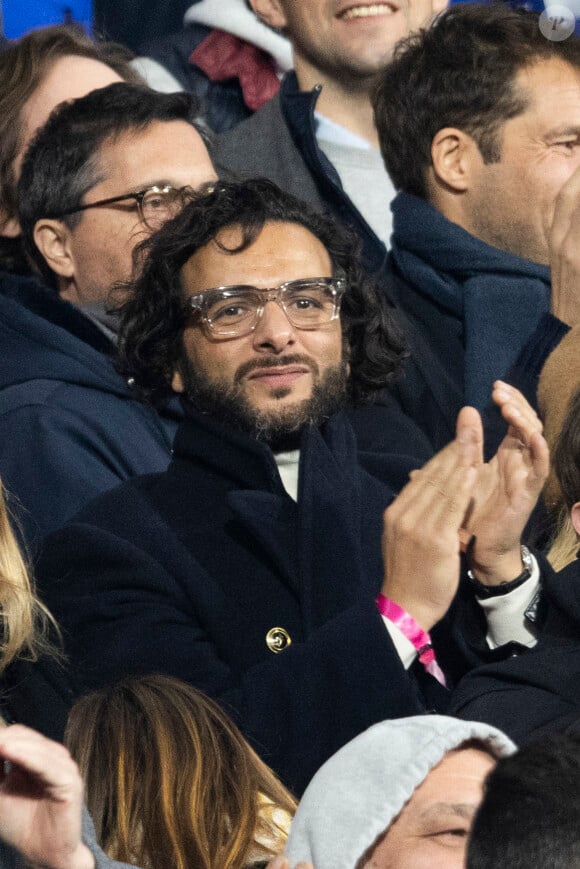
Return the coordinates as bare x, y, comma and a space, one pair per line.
164, 152
279, 252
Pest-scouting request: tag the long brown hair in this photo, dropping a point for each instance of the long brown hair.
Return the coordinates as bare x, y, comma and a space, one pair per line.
24, 64
25, 620
170, 781
566, 467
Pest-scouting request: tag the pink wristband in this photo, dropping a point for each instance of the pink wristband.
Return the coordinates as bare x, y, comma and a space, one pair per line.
410, 629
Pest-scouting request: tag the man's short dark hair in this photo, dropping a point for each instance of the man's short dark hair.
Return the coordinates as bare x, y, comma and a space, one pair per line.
458, 73
61, 164
150, 340
530, 814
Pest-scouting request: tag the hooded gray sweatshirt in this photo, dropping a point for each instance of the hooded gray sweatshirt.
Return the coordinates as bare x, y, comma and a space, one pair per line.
359, 792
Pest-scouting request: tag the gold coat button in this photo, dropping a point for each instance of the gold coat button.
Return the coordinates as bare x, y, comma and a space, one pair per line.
278, 639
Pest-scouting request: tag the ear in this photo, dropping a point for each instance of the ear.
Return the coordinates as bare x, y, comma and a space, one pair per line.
270, 12
439, 6
177, 381
455, 157
52, 239
575, 517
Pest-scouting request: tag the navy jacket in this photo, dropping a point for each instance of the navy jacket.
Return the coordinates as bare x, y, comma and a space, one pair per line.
188, 571
540, 686
70, 427
430, 388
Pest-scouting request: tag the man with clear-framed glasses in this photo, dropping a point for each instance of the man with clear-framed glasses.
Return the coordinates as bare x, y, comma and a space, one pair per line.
262, 566
105, 172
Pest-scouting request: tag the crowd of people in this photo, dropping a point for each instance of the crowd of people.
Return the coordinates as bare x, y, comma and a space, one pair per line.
290, 441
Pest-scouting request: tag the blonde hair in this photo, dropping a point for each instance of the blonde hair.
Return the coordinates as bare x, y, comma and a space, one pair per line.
25, 620
170, 781
565, 546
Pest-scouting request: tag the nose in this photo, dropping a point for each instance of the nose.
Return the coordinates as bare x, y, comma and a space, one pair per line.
274, 331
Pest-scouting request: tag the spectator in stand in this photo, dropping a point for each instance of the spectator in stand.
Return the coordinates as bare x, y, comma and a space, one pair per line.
317, 138
100, 176
402, 795
559, 382
38, 72
170, 782
42, 820
530, 812
477, 119
224, 55
34, 688
542, 686
253, 567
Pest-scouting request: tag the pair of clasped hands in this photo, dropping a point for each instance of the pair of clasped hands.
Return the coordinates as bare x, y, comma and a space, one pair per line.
457, 498
453, 497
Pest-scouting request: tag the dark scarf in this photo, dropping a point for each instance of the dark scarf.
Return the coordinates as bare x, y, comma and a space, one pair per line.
499, 297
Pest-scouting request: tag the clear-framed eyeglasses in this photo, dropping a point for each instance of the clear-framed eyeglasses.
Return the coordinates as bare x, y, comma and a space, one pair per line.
308, 303
156, 204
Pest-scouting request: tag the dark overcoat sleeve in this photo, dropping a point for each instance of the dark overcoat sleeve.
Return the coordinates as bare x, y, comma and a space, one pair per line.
84, 441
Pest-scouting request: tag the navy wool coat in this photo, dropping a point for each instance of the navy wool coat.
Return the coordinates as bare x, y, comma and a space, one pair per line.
188, 571
70, 426
533, 691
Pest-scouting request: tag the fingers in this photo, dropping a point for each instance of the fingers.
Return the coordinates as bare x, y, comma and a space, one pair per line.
540, 453
49, 762
523, 420
434, 487
466, 448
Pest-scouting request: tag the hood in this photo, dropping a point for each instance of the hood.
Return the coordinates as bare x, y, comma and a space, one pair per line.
234, 17
45, 338
359, 792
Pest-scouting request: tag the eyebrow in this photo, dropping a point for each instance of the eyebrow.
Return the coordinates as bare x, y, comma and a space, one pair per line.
564, 130
146, 185
436, 810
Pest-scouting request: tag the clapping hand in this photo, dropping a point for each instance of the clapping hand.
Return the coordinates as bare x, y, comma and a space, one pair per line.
41, 798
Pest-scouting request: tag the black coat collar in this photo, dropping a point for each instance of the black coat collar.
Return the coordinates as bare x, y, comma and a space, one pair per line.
250, 464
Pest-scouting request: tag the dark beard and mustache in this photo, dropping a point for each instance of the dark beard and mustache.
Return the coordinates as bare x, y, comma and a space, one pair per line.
278, 427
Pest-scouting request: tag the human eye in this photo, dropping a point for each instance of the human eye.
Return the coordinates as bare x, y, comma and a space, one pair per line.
155, 200
450, 837
305, 303
568, 144
308, 297
230, 309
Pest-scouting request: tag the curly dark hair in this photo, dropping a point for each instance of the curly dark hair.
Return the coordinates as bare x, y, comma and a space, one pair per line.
460, 72
152, 317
